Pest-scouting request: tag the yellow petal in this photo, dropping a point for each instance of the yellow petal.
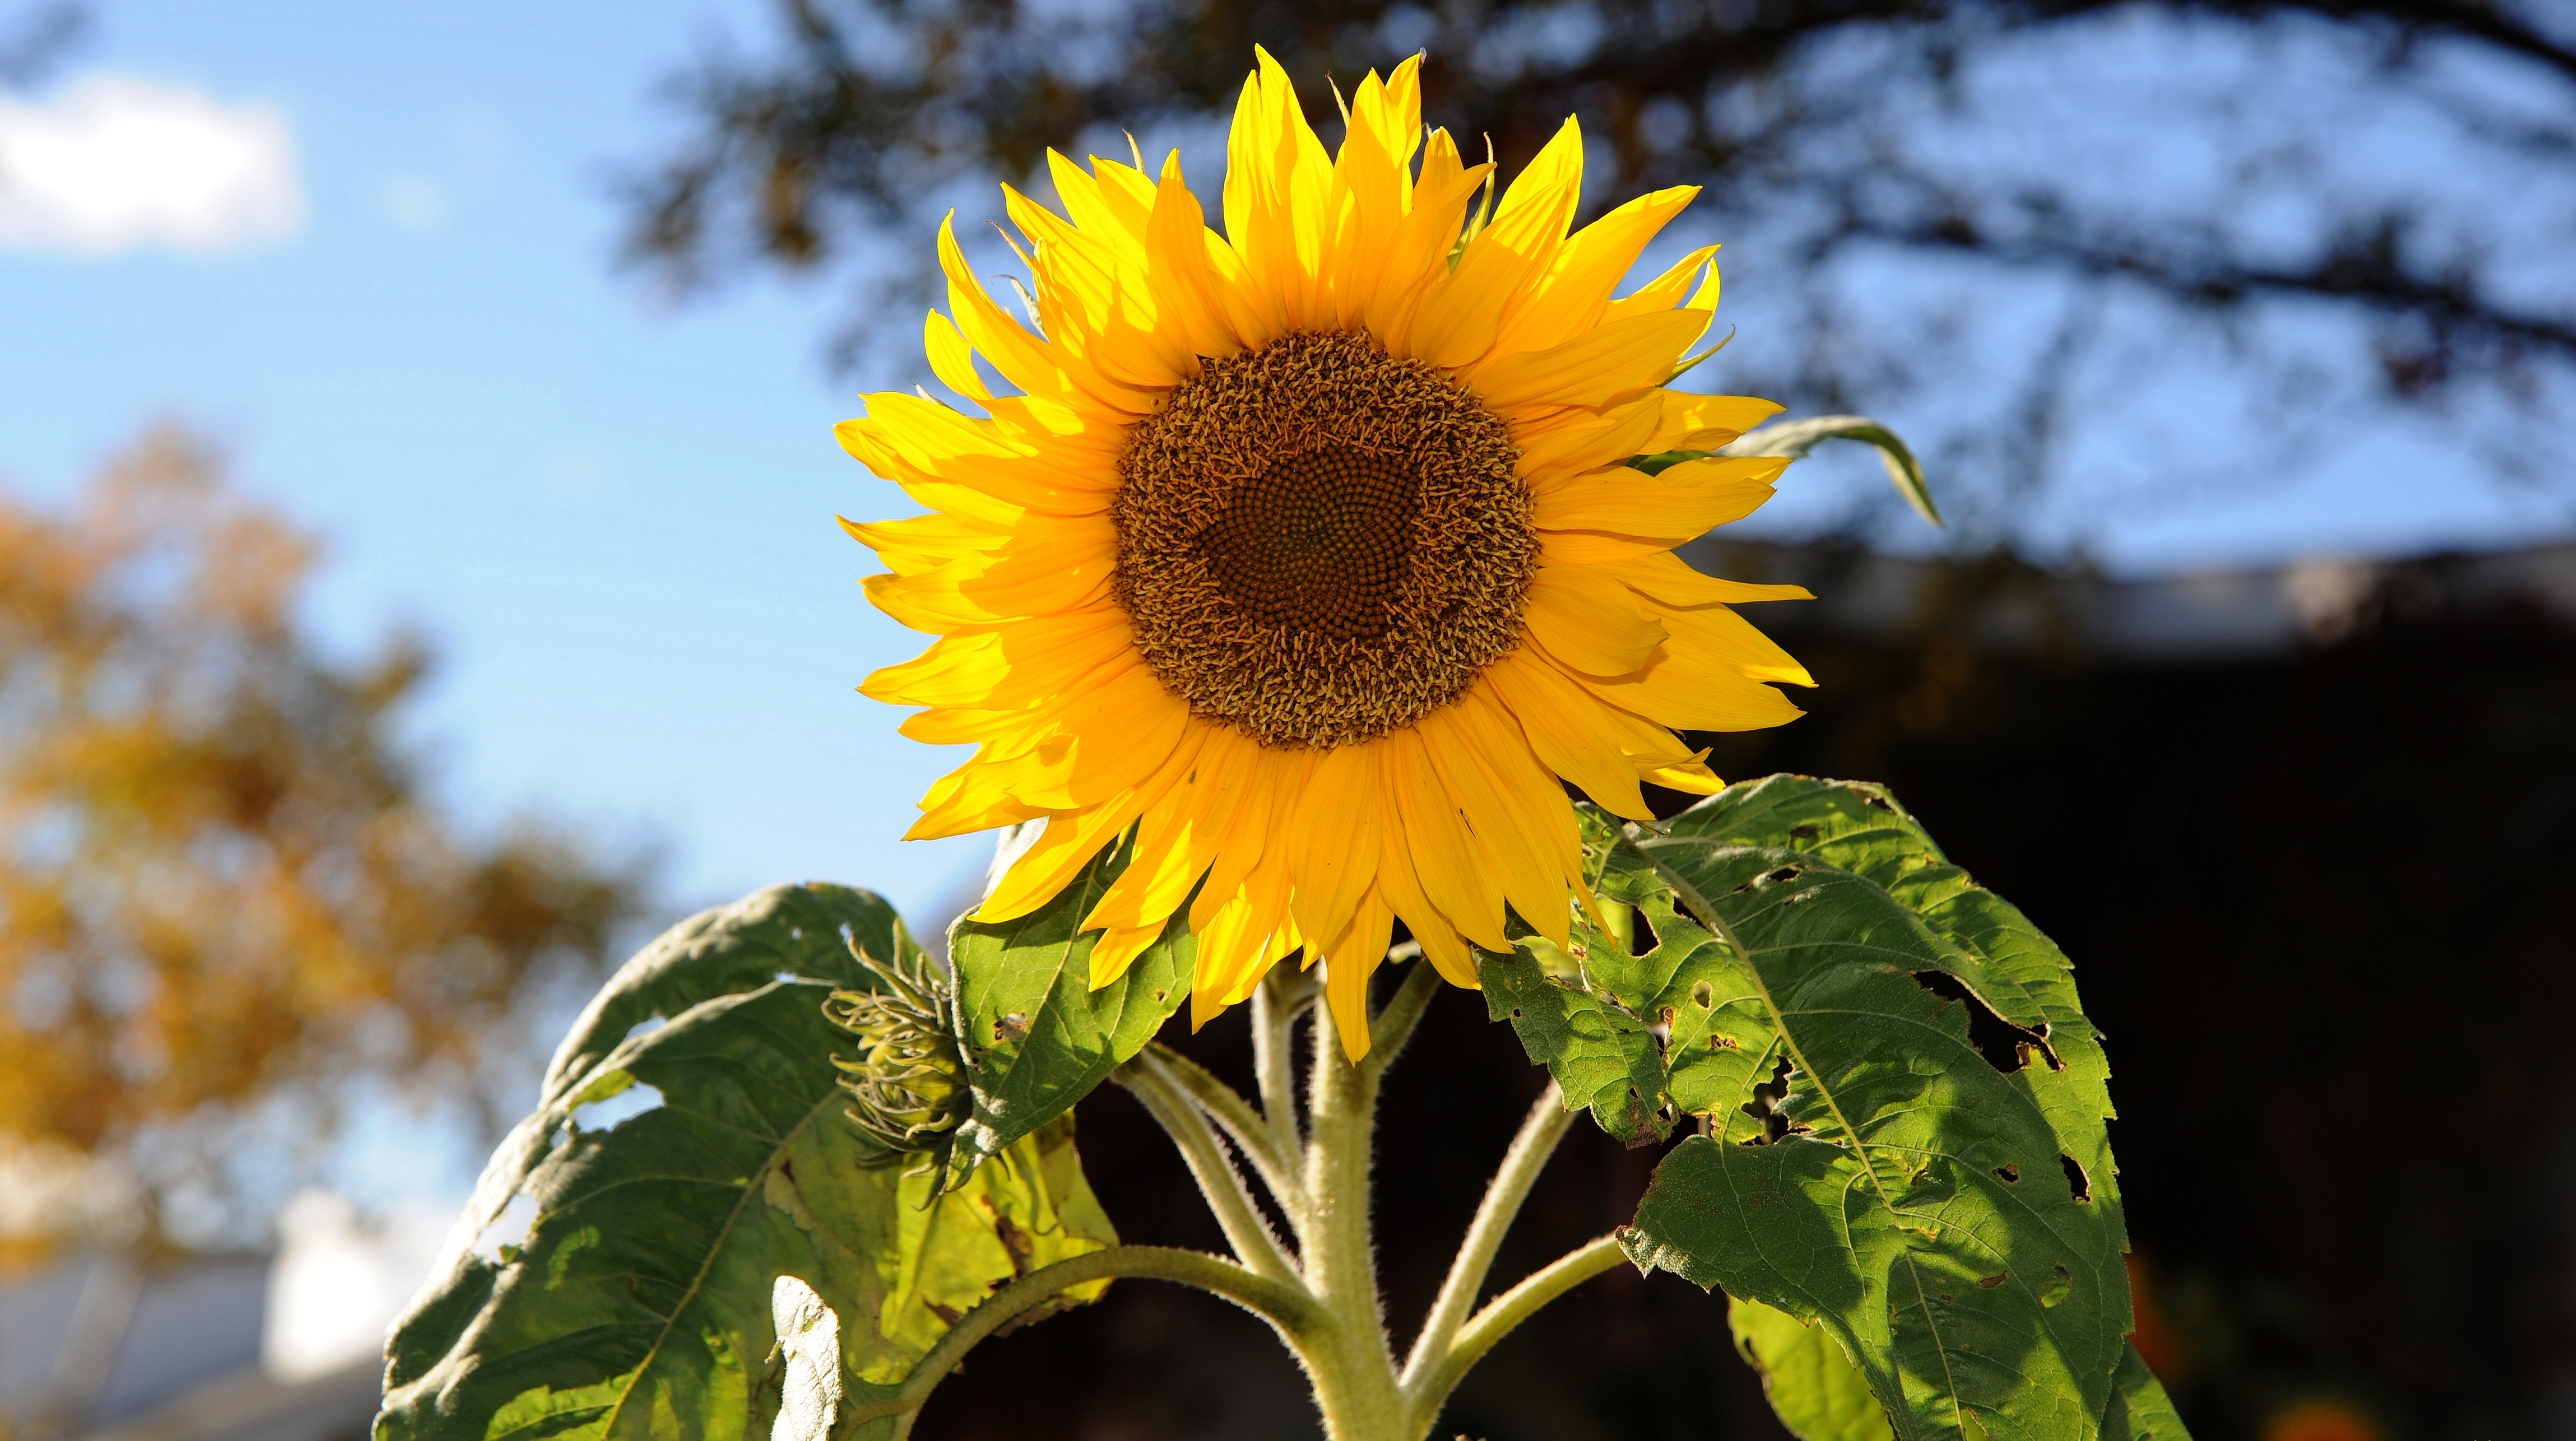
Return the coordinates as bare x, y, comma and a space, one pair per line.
1667, 579
1684, 501
1705, 422
1116, 950
1574, 294
1463, 310
1602, 365
1589, 621
1570, 729
1664, 291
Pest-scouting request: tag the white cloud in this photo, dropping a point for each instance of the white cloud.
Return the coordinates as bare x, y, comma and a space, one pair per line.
114, 163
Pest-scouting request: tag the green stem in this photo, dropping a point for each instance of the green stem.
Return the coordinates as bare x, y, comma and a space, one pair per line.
1219, 1181
1276, 1004
1497, 1320
1287, 1308
1529, 1153
1250, 1131
1394, 1025
1353, 1371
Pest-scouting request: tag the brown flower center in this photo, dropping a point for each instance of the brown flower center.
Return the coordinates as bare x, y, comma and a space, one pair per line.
1318, 543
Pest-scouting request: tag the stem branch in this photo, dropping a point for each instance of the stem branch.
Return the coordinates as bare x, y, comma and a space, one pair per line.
1497, 1320
1250, 1131
1291, 1310
1529, 1153
1394, 1025
1276, 1003
1219, 1181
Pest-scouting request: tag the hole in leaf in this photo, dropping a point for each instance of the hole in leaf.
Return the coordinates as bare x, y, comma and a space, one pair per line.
1703, 995
2060, 1282
1642, 939
2005, 1046
616, 1108
1765, 1107
1013, 1027
2076, 1180
646, 1027
2008, 1173
499, 1241
1802, 834
1783, 875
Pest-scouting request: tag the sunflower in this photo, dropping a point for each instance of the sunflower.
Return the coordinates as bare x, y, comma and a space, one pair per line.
1306, 557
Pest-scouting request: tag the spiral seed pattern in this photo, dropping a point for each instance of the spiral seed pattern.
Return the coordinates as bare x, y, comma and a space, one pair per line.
1318, 543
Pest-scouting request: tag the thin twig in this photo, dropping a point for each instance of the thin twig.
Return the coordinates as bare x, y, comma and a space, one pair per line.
1245, 1229
1498, 1318
1530, 1149
1297, 1315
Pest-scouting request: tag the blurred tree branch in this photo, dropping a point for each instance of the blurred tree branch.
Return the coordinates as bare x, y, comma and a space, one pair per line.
222, 887
1827, 130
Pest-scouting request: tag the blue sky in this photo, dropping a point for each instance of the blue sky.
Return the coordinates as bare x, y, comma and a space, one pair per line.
615, 517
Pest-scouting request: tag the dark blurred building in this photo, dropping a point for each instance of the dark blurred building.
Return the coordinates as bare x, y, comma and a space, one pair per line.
2306, 833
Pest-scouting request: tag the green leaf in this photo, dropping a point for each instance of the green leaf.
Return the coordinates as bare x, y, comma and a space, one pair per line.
1794, 438
1808, 994
1819, 1393
1036, 1036
641, 1301
2140, 1410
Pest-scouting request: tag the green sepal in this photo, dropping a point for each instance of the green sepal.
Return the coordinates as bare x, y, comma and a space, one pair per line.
639, 1303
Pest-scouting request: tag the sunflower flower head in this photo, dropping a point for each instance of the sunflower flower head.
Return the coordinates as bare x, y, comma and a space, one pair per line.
1309, 551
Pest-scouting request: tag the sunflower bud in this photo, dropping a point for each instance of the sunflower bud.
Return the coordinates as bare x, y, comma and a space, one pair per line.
909, 1080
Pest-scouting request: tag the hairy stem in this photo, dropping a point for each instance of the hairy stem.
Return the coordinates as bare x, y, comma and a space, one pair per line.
1288, 1308
1394, 1025
1251, 1133
1354, 1373
1276, 1003
1170, 1105
1529, 1153
1497, 1320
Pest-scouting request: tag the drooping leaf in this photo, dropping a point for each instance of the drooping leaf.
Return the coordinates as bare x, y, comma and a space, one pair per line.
1903, 1104
1794, 438
1819, 1394
642, 1301
1036, 1036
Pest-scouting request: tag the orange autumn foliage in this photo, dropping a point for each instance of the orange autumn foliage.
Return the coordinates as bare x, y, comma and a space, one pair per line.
219, 878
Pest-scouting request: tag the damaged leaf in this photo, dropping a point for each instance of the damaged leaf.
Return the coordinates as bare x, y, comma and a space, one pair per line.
1866, 1166
643, 1300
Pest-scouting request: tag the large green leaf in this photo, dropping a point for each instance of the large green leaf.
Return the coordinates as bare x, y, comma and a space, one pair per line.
1819, 1393
641, 1301
1902, 1104
1036, 1036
